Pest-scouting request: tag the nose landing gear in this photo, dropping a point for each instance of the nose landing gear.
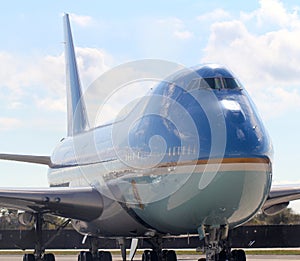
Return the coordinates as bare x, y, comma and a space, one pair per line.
215, 245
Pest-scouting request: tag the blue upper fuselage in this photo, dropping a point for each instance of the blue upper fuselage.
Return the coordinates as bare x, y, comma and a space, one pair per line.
198, 113
204, 111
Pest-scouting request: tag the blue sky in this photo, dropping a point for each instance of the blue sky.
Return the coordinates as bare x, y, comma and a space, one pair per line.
258, 40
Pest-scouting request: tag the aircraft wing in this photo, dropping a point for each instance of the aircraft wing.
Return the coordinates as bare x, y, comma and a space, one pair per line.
46, 160
279, 198
84, 203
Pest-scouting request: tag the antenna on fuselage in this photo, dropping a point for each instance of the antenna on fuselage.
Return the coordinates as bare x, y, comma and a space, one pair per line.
77, 115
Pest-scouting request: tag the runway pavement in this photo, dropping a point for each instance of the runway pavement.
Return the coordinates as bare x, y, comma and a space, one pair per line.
180, 257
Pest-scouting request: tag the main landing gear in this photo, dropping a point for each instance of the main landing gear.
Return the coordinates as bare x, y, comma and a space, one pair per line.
39, 247
164, 255
99, 256
31, 257
157, 253
94, 254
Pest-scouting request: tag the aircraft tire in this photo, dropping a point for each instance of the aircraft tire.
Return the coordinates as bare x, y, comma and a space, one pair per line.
28, 257
238, 255
145, 255
149, 256
85, 256
105, 256
153, 256
169, 255
164, 254
49, 257
223, 256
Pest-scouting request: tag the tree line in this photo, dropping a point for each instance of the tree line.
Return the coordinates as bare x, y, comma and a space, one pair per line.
9, 220
285, 217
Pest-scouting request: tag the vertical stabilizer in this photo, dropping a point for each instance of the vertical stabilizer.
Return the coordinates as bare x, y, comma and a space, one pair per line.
77, 116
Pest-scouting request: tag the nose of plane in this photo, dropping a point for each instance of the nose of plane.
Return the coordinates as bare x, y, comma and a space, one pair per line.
193, 117
246, 135
237, 116
233, 111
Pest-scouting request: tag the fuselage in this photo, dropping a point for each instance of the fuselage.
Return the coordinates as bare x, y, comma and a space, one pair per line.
192, 152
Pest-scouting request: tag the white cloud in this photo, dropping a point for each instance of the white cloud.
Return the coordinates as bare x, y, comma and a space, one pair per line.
183, 34
164, 38
215, 15
81, 20
92, 63
272, 12
19, 72
9, 68
269, 62
9, 124
175, 27
276, 101
40, 81
51, 104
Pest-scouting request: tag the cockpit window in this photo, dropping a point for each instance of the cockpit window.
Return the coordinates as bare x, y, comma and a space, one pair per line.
231, 83
214, 83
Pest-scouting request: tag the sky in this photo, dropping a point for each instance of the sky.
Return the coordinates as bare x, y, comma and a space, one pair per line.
257, 40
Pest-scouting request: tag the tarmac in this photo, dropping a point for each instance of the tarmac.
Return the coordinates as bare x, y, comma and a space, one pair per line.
180, 257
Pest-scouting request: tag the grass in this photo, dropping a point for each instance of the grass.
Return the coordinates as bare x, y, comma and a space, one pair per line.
273, 252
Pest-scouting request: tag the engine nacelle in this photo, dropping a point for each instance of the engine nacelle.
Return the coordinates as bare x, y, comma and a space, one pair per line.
25, 219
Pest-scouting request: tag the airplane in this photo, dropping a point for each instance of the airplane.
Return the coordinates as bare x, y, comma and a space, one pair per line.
192, 157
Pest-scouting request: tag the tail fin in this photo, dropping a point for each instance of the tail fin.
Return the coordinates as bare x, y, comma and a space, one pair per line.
77, 115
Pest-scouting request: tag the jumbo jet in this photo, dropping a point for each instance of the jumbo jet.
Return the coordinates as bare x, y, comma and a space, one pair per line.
193, 157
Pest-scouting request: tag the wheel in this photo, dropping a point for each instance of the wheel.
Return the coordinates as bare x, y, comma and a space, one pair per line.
223, 256
233, 254
170, 255
164, 254
149, 256
145, 256
105, 256
49, 257
85, 256
240, 255
28, 257
153, 256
